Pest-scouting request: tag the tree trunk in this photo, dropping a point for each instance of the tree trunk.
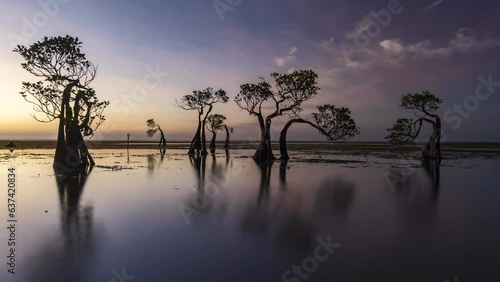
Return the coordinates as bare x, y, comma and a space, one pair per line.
60, 154
283, 170
73, 158
203, 136
195, 143
163, 141
84, 151
212, 143
437, 148
283, 148
432, 150
264, 152
226, 145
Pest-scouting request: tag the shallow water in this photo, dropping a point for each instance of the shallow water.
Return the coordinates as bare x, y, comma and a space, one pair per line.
217, 219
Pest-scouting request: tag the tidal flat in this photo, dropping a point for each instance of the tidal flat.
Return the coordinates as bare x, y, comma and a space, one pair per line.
329, 214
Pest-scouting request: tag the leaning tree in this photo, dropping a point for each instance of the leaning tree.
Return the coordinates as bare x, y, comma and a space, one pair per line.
63, 94
215, 123
153, 127
335, 123
406, 130
229, 131
203, 102
290, 91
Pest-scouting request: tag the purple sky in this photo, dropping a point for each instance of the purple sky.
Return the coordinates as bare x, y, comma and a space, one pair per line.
364, 61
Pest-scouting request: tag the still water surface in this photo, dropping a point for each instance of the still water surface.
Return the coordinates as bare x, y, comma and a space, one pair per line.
216, 219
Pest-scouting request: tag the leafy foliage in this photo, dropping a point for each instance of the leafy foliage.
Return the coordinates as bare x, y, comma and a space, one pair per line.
291, 90
406, 130
199, 99
215, 122
252, 96
63, 67
424, 102
403, 131
153, 127
335, 123
58, 59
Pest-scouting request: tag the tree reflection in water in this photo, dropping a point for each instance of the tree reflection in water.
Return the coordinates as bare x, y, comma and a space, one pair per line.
417, 193
210, 183
295, 216
66, 257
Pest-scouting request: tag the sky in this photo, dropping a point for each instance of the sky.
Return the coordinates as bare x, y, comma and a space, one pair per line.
367, 53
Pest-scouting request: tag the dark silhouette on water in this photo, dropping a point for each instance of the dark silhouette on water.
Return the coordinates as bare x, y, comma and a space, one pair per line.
64, 95
215, 123
229, 131
334, 123
407, 130
153, 127
67, 257
11, 146
128, 145
417, 193
291, 91
198, 101
278, 212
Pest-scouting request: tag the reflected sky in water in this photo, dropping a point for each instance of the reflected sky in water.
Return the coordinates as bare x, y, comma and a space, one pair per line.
169, 217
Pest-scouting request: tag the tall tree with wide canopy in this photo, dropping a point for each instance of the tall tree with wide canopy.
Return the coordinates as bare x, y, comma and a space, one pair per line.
406, 130
203, 102
64, 94
153, 127
335, 123
215, 123
290, 91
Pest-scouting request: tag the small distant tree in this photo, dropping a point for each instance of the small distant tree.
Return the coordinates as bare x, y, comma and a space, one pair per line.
64, 94
153, 127
290, 91
203, 102
215, 123
335, 123
406, 130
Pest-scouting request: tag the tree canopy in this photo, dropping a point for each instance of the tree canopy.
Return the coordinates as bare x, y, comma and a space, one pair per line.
63, 93
286, 97
406, 130
335, 123
215, 122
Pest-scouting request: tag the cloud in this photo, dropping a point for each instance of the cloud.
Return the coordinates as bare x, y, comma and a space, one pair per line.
328, 42
361, 27
464, 42
282, 61
434, 4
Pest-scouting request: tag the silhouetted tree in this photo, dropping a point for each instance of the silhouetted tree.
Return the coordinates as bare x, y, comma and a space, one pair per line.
215, 123
335, 123
407, 130
128, 145
291, 90
153, 127
198, 101
229, 131
64, 94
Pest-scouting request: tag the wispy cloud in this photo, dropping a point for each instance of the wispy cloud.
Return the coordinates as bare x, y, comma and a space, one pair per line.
434, 4
361, 27
464, 42
282, 61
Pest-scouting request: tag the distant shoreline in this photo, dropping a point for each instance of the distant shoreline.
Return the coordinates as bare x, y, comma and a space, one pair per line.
483, 147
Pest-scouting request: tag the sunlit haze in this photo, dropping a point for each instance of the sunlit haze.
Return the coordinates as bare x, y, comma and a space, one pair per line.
440, 46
